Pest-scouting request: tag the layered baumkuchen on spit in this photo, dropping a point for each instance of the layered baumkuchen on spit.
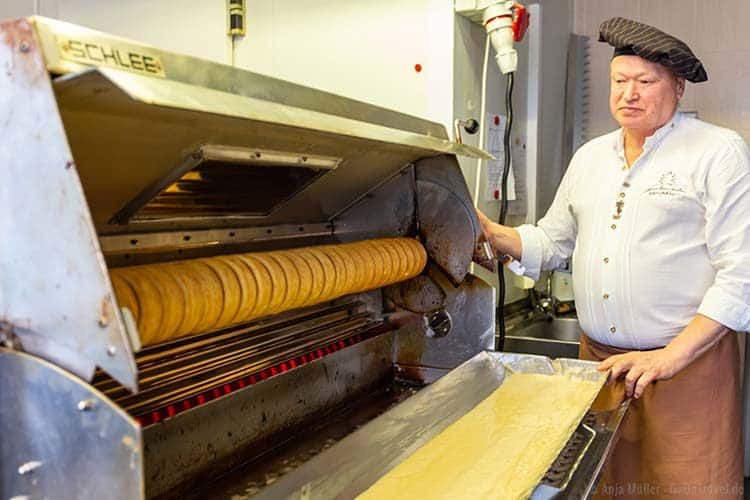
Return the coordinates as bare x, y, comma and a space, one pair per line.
177, 299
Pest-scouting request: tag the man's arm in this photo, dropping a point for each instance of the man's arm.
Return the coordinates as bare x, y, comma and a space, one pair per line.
544, 245
699, 336
643, 367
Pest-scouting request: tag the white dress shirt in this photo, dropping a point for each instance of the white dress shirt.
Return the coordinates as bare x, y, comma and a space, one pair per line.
654, 244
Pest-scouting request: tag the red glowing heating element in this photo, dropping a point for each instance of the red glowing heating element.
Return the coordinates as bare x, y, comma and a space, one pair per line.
160, 414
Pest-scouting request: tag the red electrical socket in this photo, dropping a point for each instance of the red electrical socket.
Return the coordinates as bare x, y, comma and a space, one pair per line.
520, 21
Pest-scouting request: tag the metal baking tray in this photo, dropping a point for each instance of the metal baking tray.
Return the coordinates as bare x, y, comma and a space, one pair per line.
353, 464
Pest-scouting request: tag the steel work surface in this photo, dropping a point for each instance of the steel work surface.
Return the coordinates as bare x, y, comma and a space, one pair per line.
301, 445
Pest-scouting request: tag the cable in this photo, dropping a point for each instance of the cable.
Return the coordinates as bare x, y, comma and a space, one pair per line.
482, 116
506, 143
500, 334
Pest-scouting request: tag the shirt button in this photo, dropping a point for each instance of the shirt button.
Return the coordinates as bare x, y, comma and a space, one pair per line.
606, 260
626, 184
606, 295
612, 329
622, 195
613, 226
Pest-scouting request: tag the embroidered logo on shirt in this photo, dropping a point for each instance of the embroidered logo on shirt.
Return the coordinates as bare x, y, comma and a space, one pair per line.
667, 186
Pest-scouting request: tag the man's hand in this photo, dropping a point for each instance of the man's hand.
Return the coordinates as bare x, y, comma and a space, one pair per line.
504, 240
486, 224
641, 368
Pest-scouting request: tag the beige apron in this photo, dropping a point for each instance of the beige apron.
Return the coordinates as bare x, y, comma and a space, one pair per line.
683, 437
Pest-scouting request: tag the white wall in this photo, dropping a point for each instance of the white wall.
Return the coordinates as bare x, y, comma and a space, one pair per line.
193, 27
17, 8
360, 49
190, 26
715, 31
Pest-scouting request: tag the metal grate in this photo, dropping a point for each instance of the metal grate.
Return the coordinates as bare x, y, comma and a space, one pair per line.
564, 465
221, 188
179, 375
221, 180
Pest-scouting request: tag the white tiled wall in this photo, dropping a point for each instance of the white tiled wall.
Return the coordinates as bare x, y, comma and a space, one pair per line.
717, 33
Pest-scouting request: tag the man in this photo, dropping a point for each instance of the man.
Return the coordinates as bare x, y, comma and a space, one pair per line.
656, 217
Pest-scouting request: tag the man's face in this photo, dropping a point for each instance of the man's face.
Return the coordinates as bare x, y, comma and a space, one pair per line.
643, 94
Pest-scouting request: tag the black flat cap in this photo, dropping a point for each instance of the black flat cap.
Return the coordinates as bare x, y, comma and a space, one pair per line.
634, 38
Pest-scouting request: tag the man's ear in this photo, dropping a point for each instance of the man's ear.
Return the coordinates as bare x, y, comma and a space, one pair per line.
680, 87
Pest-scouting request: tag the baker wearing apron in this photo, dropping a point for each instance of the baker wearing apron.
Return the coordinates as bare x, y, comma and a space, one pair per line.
655, 218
